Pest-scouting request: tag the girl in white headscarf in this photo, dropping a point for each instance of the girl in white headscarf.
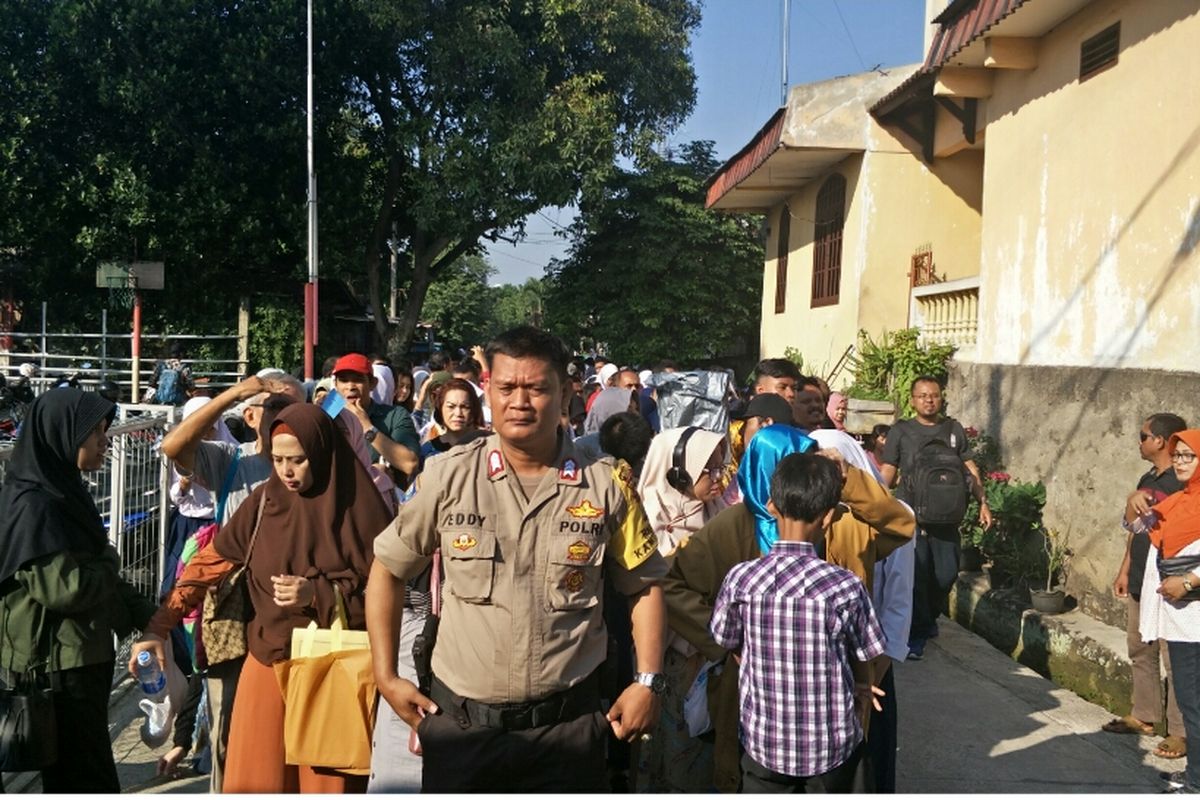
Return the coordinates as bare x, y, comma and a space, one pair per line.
680, 498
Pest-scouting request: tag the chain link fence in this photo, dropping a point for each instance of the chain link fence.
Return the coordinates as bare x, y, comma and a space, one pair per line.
131, 496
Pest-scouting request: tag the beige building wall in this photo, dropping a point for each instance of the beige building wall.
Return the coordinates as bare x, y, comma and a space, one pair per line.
1092, 197
894, 205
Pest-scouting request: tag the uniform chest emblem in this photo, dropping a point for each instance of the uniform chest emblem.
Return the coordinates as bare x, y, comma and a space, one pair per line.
464, 542
574, 580
495, 463
579, 551
569, 471
585, 510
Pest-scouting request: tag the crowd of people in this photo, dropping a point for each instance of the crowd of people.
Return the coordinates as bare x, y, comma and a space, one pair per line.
617, 598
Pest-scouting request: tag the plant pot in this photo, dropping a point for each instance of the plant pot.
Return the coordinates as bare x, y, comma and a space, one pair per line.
970, 559
1048, 602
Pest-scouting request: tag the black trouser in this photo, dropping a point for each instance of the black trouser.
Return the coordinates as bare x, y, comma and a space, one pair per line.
460, 756
85, 754
844, 778
935, 570
882, 738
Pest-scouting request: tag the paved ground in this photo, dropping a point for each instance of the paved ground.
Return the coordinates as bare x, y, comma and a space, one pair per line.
971, 720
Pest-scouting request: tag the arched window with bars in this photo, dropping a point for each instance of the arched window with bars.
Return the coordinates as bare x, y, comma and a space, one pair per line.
827, 241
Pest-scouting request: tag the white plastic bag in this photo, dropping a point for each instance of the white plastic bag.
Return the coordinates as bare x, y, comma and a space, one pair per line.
695, 702
160, 716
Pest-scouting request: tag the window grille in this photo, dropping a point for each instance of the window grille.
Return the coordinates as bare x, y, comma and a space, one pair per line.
827, 242
1100, 51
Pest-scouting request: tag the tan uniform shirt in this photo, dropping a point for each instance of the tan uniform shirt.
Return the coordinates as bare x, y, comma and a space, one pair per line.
523, 588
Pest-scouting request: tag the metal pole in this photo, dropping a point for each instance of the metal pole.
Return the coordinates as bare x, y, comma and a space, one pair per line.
787, 8
135, 348
310, 297
43, 338
103, 343
164, 510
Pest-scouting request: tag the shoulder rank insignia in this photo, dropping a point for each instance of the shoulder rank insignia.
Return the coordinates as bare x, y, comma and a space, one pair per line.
495, 463
585, 510
569, 471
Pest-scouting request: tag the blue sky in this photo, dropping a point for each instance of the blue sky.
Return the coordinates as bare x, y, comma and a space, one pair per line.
737, 55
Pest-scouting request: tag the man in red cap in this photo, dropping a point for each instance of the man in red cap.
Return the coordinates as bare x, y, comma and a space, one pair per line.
389, 430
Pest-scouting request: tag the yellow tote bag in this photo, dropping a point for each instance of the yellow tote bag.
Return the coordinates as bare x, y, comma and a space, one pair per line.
329, 697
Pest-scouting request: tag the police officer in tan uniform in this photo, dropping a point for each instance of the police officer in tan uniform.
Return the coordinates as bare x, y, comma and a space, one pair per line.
527, 529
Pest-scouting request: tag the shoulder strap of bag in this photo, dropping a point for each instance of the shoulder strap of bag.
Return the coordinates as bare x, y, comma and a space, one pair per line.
262, 503
227, 485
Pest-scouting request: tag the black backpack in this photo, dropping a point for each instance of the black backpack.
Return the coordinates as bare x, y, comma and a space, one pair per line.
937, 485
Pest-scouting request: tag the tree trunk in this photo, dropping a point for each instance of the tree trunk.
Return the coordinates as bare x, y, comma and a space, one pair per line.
372, 257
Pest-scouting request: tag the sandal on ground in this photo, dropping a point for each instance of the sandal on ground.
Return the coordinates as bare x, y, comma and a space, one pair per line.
1128, 724
1172, 747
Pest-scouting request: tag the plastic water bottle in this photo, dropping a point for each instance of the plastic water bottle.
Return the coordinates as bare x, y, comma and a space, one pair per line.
150, 676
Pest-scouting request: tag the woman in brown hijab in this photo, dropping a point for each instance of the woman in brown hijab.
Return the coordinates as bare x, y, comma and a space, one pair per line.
320, 517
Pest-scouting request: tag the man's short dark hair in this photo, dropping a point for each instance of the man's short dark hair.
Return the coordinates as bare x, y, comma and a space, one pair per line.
1165, 424
438, 360
776, 368
327, 366
526, 341
804, 381
626, 436
664, 365
468, 366
912, 387
805, 486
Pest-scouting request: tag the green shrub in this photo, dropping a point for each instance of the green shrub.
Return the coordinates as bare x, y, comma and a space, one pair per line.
884, 370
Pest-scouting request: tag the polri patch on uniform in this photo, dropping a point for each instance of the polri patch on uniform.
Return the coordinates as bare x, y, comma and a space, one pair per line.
585, 510
569, 471
579, 551
574, 580
464, 542
495, 463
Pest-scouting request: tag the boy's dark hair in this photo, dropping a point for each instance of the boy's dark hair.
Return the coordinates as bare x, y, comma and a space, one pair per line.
912, 387
468, 366
327, 366
880, 431
776, 368
1165, 424
626, 436
526, 341
805, 486
438, 360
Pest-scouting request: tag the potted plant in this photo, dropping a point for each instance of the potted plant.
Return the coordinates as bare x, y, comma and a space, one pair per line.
1051, 599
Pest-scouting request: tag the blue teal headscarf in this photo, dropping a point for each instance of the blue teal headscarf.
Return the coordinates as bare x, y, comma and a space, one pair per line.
768, 447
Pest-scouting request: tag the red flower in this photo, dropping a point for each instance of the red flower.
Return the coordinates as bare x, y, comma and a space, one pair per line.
999, 476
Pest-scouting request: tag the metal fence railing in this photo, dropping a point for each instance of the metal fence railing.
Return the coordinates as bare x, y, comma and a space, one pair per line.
131, 494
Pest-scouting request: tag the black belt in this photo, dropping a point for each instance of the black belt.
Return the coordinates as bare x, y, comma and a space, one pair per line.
582, 698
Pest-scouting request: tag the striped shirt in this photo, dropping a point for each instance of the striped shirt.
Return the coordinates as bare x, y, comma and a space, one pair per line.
796, 620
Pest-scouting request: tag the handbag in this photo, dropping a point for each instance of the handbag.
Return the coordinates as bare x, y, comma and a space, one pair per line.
28, 726
329, 695
227, 608
1181, 565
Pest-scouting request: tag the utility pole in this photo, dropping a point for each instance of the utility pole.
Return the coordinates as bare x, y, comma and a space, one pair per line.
310, 288
787, 9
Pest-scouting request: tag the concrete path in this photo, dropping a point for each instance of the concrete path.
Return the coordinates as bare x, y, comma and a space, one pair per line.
973, 720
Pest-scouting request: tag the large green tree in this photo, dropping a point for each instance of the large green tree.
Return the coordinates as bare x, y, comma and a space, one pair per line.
469, 115
652, 274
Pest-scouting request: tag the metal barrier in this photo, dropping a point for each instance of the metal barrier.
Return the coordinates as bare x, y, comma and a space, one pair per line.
131, 494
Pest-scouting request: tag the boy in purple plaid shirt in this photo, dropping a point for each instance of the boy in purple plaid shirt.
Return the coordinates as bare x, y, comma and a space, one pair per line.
805, 630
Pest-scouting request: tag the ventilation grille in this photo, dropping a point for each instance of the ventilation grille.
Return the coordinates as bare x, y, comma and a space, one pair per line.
1100, 51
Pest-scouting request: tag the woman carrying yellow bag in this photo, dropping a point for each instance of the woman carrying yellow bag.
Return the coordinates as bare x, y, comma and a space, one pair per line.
319, 522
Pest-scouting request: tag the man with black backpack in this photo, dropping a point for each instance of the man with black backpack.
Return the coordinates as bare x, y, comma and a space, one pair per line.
929, 455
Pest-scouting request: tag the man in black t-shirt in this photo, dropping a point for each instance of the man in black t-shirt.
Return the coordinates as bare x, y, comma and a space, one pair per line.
1158, 482
937, 547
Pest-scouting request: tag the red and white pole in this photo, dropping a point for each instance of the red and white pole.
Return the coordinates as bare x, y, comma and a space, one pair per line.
135, 349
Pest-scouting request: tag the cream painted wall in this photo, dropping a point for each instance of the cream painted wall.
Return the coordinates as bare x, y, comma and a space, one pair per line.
895, 204
1092, 198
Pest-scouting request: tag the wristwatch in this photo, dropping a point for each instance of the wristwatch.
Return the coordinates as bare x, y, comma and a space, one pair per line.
370, 433
1187, 583
656, 682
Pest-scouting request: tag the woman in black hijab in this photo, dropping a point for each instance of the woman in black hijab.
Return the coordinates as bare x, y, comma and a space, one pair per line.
61, 595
